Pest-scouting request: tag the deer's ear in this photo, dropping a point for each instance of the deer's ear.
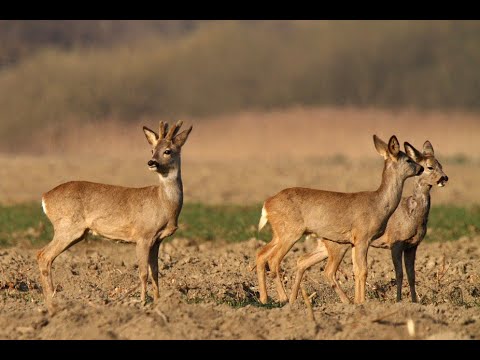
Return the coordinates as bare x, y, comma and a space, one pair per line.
428, 148
381, 147
180, 139
412, 153
393, 146
151, 136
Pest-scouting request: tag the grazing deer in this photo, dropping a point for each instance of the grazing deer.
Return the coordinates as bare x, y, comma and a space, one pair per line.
144, 216
355, 218
405, 230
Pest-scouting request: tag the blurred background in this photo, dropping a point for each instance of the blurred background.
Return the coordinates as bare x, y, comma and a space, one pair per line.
273, 103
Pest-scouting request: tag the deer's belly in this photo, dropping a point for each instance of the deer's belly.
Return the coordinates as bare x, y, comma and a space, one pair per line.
114, 235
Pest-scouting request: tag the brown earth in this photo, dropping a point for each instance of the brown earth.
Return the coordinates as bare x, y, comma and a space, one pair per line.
208, 292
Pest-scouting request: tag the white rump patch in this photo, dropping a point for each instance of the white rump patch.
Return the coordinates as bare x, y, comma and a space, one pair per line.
44, 207
263, 218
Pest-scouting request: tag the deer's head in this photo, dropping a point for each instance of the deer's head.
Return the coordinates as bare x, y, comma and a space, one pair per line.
166, 146
433, 174
395, 159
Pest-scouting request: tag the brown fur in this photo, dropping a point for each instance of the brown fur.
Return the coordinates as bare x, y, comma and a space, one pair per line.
405, 230
144, 216
354, 218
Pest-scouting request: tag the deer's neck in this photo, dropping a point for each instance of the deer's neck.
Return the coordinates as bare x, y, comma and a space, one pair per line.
390, 191
171, 186
421, 194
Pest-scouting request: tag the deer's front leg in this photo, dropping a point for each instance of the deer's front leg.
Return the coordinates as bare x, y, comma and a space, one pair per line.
153, 263
410, 267
143, 251
359, 258
397, 254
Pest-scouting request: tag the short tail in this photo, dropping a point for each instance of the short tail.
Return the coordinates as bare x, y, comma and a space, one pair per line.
263, 218
44, 206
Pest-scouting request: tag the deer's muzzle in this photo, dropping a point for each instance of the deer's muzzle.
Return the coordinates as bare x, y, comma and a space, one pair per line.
153, 165
443, 180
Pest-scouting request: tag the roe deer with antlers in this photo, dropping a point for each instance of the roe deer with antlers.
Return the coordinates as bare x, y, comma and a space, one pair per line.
144, 216
405, 230
355, 218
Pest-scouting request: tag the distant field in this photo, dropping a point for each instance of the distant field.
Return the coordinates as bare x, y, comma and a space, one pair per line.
26, 224
244, 158
292, 134
26, 178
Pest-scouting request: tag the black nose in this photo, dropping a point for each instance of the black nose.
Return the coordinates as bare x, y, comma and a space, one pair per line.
152, 163
421, 170
445, 178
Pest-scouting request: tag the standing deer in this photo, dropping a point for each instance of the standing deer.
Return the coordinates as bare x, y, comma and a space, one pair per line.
355, 218
405, 230
144, 216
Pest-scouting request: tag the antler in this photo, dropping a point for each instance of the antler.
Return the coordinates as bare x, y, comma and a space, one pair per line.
162, 129
174, 130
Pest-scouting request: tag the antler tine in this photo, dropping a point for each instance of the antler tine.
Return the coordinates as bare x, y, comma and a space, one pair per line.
174, 129
162, 129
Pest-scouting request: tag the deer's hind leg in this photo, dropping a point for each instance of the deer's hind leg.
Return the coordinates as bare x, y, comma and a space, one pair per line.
336, 253
306, 261
65, 236
285, 243
263, 256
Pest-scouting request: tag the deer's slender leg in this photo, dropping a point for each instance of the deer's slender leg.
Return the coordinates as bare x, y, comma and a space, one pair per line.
410, 254
269, 265
359, 257
61, 241
286, 241
263, 256
153, 264
269, 256
336, 253
397, 254
306, 261
143, 251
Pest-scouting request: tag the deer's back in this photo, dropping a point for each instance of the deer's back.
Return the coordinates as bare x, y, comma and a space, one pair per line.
329, 214
87, 201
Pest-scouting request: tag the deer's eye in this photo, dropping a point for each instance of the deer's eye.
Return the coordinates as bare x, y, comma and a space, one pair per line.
409, 161
429, 168
167, 152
